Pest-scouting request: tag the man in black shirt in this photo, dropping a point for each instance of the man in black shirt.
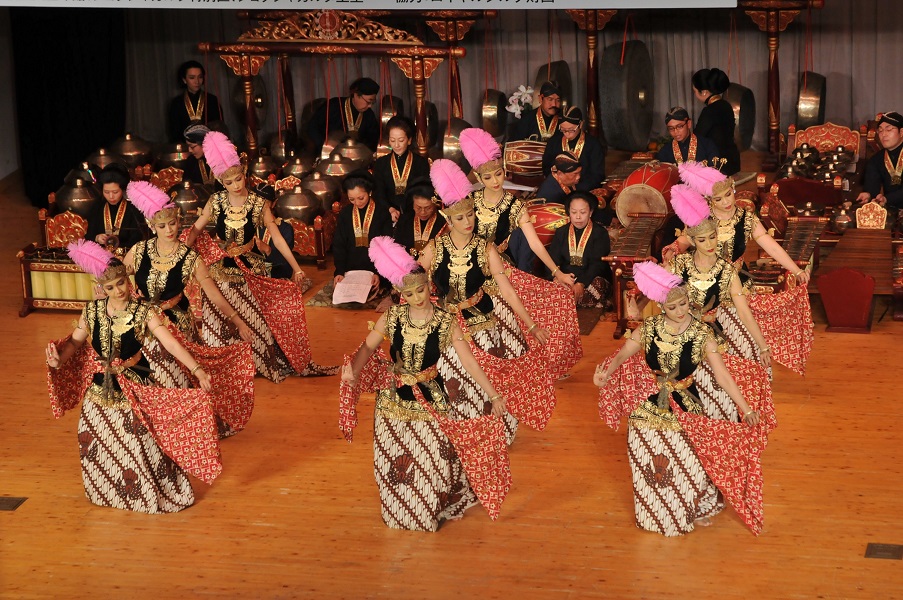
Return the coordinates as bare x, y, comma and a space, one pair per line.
883, 182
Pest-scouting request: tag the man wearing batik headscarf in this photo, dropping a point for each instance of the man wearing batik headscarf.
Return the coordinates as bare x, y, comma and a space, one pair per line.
685, 145
542, 123
883, 181
572, 138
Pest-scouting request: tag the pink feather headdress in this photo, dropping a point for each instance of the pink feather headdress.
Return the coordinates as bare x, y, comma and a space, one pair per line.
393, 262
220, 153
689, 205
90, 256
479, 147
148, 198
654, 281
451, 185
700, 177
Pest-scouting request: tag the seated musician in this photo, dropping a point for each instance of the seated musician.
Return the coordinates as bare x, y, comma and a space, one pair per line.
578, 248
348, 113
393, 171
572, 138
565, 178
416, 227
883, 179
360, 221
685, 145
115, 222
196, 169
542, 123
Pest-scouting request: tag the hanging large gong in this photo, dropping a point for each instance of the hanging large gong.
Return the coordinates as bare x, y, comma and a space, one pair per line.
391, 106
626, 95
451, 143
743, 102
559, 72
810, 105
495, 117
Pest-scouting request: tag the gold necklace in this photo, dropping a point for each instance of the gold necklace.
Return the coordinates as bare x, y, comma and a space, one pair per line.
415, 331
236, 216
122, 319
459, 259
164, 262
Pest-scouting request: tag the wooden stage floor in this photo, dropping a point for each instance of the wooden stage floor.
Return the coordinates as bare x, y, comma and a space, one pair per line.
295, 513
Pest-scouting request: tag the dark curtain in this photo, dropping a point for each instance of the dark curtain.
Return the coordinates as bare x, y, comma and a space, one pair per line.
70, 89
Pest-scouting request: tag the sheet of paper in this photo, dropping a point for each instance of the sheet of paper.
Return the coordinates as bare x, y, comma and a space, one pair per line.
355, 287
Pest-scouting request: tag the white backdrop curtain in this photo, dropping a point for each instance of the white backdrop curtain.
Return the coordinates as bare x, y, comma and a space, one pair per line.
856, 44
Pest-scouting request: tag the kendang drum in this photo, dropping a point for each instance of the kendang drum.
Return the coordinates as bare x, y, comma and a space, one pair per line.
524, 158
646, 190
546, 218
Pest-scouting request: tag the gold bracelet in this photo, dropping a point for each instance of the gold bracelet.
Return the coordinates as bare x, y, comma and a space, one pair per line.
532, 327
229, 318
764, 349
496, 397
195, 369
557, 268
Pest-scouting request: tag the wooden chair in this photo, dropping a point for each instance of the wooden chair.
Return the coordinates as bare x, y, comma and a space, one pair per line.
828, 137
871, 216
60, 230
166, 178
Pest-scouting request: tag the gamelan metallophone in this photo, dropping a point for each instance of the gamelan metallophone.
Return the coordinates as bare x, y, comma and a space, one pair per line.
51, 280
801, 242
633, 245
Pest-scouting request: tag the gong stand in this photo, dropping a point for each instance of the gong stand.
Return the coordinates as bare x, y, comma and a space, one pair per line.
451, 26
329, 32
592, 22
773, 17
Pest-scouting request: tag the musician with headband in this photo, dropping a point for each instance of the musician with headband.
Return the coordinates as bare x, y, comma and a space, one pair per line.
348, 113
589, 150
685, 145
542, 123
883, 182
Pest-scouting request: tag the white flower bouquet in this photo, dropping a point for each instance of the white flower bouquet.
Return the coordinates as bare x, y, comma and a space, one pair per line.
519, 100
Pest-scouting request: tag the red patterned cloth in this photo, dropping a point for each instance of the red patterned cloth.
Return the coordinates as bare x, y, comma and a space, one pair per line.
524, 382
281, 303
731, 452
627, 388
231, 370
180, 420
67, 385
480, 443
552, 307
786, 322
373, 377
182, 424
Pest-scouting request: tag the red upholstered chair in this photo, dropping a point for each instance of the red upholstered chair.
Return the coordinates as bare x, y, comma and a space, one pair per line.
828, 137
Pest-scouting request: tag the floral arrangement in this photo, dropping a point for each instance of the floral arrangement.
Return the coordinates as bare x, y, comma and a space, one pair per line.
519, 100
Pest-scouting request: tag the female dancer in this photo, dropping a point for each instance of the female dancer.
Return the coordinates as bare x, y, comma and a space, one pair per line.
499, 213
677, 463
501, 218
420, 476
471, 282
163, 266
766, 326
132, 453
736, 225
272, 308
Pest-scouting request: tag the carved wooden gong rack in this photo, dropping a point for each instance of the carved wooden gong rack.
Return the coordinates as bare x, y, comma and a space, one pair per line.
333, 32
